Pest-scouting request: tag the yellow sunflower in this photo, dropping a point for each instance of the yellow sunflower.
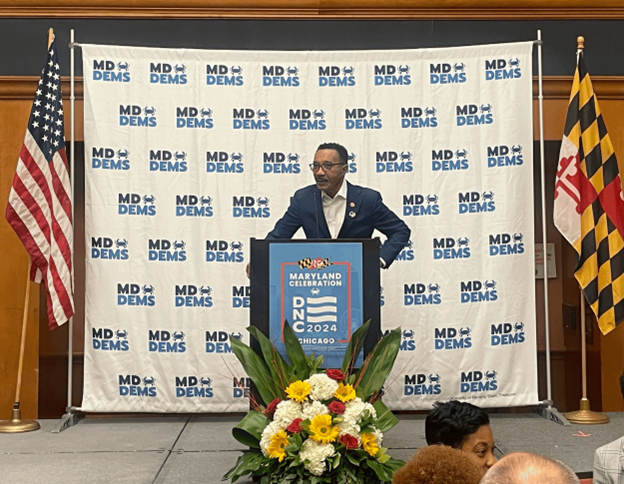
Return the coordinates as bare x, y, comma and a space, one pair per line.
321, 429
369, 444
298, 390
276, 447
345, 393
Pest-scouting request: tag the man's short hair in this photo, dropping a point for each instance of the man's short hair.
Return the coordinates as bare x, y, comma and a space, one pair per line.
342, 151
452, 422
527, 468
438, 464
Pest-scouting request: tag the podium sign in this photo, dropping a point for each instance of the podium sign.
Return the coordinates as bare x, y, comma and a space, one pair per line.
318, 288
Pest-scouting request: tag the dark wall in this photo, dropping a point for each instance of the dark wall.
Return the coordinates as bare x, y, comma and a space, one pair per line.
21, 39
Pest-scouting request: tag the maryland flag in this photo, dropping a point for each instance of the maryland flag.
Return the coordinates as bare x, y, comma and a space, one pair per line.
589, 210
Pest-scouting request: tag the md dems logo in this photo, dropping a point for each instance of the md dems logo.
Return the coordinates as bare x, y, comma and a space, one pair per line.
250, 207
393, 162
334, 76
135, 295
452, 338
163, 73
164, 250
240, 297
193, 387
136, 386
104, 248
421, 384
359, 118
132, 115
477, 291
501, 156
475, 202
222, 162
417, 205
507, 334
109, 159
447, 73
472, 115
446, 248
407, 254
502, 69
449, 160
218, 341
421, 295
108, 71
478, 381
280, 163
168, 162
279, 76
135, 204
222, 251
247, 118
241, 386
222, 75
389, 75
193, 206
192, 117
506, 244
161, 341
407, 340
306, 120
415, 117
190, 296
105, 339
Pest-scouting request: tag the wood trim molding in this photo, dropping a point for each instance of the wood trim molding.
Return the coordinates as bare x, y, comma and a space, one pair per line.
553, 87
317, 9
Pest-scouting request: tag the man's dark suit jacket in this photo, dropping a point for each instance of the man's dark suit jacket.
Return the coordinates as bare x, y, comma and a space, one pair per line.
365, 211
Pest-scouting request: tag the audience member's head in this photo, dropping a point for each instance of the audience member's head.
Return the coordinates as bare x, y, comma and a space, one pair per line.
526, 468
463, 426
438, 464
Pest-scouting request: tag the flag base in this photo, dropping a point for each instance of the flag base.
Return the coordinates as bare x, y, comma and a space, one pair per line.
16, 424
586, 416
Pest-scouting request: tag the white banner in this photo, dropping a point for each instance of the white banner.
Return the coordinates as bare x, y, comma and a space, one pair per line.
189, 153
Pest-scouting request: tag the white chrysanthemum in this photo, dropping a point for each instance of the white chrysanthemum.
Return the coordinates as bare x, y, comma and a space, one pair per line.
268, 432
355, 409
287, 411
323, 387
378, 437
312, 409
315, 453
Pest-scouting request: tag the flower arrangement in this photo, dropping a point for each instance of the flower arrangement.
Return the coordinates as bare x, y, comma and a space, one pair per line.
317, 426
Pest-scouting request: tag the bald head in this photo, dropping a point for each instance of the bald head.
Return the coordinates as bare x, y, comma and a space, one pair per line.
525, 468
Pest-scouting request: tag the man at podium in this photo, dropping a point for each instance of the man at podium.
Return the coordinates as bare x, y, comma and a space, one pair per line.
336, 209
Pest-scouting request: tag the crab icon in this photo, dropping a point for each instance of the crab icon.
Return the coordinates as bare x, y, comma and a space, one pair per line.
149, 380
348, 71
179, 245
404, 69
408, 245
461, 153
263, 113
205, 290
490, 375
148, 289
518, 237
319, 113
432, 198
205, 381
514, 62
430, 111
519, 326
123, 153
121, 334
490, 284
149, 199
516, 150
236, 70
486, 108
121, 243
489, 196
434, 378
236, 157
149, 110
179, 68
263, 201
236, 246
293, 157
351, 157
178, 336
292, 71
433, 287
464, 332
205, 200
206, 113
374, 113
123, 66
405, 156
315, 292
459, 67
179, 156
408, 333
463, 242
238, 336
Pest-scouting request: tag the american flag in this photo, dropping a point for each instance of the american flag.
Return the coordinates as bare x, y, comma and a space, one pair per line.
40, 207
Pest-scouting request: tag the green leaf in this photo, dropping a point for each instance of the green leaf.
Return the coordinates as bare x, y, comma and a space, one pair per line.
380, 470
351, 458
385, 418
247, 463
249, 430
274, 360
298, 359
354, 347
371, 376
257, 370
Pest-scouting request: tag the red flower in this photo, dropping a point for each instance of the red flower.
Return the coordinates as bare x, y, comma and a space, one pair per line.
295, 426
336, 407
271, 407
336, 375
349, 441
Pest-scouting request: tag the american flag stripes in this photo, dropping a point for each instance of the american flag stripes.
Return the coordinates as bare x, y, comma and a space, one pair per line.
589, 210
39, 208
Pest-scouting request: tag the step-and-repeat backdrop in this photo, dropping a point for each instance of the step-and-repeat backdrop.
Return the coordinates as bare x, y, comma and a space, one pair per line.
189, 153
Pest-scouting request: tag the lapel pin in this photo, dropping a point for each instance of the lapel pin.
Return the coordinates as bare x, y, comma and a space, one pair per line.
352, 214
352, 204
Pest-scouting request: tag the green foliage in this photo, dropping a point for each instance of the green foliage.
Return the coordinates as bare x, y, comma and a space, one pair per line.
354, 347
249, 430
280, 372
377, 366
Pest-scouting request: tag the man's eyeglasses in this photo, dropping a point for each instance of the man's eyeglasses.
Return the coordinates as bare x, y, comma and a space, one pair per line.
327, 166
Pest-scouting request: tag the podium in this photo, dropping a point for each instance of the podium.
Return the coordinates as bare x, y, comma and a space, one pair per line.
325, 288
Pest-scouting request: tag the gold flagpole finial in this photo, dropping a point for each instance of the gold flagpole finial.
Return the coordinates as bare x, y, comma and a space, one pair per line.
580, 42
50, 37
